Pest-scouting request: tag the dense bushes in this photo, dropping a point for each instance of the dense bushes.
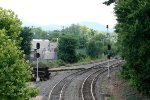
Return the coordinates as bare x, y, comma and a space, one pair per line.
10, 22
94, 48
14, 71
67, 49
26, 38
133, 26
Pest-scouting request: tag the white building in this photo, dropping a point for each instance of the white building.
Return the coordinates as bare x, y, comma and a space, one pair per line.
48, 50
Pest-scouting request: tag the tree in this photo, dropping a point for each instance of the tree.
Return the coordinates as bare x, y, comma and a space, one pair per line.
82, 33
133, 30
14, 71
94, 48
73, 29
67, 48
39, 33
82, 42
27, 37
10, 22
53, 35
109, 2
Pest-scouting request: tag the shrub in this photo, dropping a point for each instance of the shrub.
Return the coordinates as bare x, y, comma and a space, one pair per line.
133, 26
81, 55
94, 49
61, 62
14, 72
67, 49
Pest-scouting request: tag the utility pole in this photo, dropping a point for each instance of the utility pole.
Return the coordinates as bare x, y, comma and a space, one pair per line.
63, 30
108, 55
37, 56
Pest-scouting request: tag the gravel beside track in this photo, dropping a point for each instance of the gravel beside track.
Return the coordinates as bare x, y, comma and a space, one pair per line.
68, 88
46, 86
57, 90
72, 91
88, 86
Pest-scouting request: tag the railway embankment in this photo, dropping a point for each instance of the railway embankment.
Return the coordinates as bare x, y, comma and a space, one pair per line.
115, 88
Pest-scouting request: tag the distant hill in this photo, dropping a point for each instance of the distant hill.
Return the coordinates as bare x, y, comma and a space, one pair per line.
52, 27
93, 25
96, 26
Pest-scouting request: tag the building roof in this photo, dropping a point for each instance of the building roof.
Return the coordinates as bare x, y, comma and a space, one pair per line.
40, 40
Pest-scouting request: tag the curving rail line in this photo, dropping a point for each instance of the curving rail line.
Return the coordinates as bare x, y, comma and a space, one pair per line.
87, 85
87, 88
57, 91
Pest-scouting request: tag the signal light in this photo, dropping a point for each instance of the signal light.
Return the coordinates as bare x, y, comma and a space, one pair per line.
38, 45
37, 55
109, 47
106, 26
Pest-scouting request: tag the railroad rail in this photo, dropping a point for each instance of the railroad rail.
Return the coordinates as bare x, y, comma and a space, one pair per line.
57, 91
87, 88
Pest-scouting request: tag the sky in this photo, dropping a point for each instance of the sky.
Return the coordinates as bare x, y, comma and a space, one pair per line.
61, 12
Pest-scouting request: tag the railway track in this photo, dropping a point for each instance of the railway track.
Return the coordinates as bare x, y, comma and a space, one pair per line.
88, 85
57, 92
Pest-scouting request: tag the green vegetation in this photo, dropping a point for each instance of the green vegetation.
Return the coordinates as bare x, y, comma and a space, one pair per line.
26, 38
14, 70
94, 49
66, 49
49, 63
89, 42
133, 29
39, 33
95, 46
77, 44
109, 2
10, 22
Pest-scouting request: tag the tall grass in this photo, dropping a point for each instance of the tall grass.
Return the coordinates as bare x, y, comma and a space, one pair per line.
59, 63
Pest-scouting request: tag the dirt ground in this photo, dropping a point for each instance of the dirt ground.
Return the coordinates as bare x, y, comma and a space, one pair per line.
119, 89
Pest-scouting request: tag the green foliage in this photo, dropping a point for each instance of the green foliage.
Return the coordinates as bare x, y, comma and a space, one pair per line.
109, 2
82, 33
114, 48
83, 61
10, 22
82, 41
73, 29
94, 48
133, 26
39, 33
14, 71
27, 37
53, 35
81, 56
50, 63
98, 37
61, 62
67, 49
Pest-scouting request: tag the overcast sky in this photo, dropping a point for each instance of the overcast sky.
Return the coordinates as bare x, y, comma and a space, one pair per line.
44, 12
